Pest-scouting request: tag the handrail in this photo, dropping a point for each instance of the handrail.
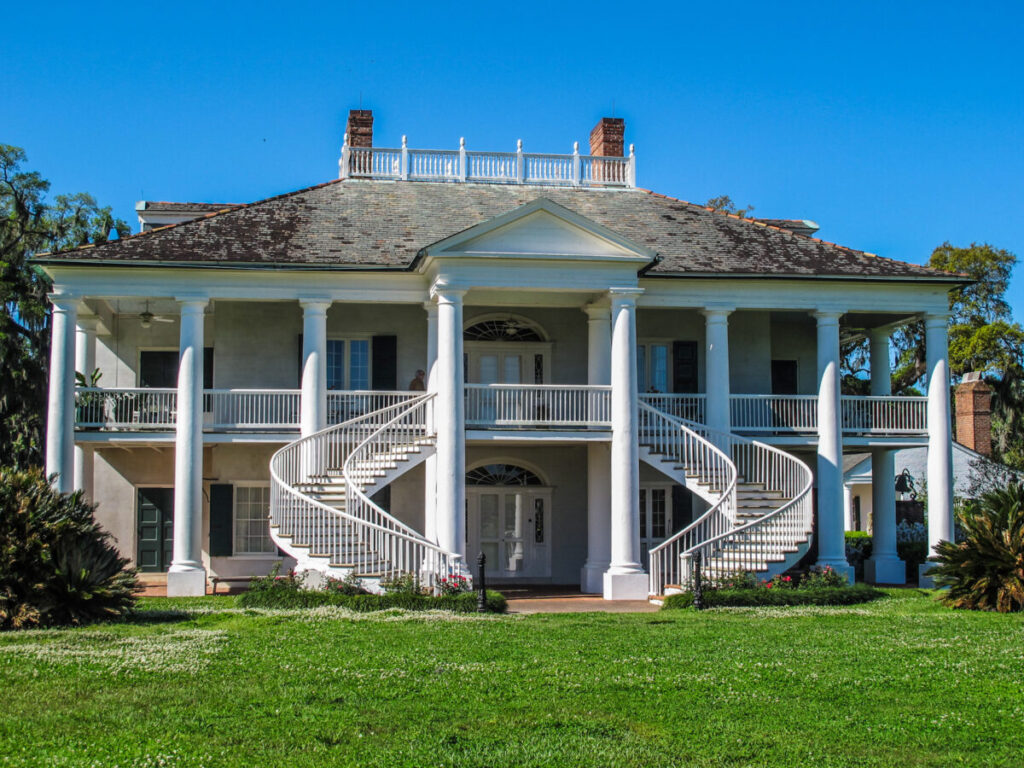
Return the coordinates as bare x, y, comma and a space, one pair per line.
708, 462
357, 533
742, 546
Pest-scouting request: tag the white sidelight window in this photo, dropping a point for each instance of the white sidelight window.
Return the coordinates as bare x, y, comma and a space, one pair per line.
655, 517
252, 520
652, 363
348, 364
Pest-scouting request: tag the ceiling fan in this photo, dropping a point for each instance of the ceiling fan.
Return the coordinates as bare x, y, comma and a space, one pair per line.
147, 318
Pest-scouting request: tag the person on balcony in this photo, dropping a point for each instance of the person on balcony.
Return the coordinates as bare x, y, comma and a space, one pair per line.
417, 384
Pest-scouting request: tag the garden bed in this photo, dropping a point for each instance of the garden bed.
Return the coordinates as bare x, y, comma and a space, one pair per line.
736, 598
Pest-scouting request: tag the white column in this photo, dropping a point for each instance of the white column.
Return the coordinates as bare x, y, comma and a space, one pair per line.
449, 416
831, 535
599, 545
186, 575
884, 566
716, 350
940, 440
60, 412
430, 463
85, 364
847, 508
625, 578
313, 407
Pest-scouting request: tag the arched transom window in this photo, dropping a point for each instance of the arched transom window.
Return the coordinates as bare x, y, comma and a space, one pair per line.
502, 329
501, 474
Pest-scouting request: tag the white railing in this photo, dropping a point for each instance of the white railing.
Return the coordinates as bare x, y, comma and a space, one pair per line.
537, 405
709, 466
237, 409
774, 413
725, 543
145, 408
689, 407
781, 414
344, 405
885, 415
517, 167
358, 534
134, 408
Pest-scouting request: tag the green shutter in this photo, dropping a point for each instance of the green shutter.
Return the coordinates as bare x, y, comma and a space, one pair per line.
222, 510
385, 362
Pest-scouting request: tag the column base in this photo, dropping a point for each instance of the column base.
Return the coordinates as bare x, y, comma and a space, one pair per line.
592, 578
924, 581
626, 586
841, 567
190, 583
885, 570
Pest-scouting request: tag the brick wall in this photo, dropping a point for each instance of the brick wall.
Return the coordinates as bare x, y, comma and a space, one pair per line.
607, 138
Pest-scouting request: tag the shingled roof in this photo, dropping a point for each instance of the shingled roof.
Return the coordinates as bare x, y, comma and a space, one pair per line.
384, 224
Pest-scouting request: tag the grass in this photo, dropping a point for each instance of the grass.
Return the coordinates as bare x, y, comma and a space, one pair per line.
201, 682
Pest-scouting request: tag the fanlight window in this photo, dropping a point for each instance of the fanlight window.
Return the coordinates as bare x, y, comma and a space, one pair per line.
501, 474
505, 329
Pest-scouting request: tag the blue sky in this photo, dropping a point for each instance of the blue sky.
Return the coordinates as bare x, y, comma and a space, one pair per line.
895, 125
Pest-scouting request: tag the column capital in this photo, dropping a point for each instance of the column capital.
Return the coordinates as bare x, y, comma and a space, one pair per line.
87, 322
596, 312
192, 304
881, 333
431, 307
315, 305
828, 315
64, 301
447, 293
719, 312
936, 319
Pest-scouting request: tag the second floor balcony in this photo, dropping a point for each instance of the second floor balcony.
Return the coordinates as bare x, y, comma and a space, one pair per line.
491, 407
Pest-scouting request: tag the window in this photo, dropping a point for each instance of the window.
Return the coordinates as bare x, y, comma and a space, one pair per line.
652, 368
784, 378
348, 364
252, 520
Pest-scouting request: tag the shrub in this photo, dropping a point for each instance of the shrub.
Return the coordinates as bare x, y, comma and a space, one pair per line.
858, 549
822, 578
723, 598
284, 597
57, 566
406, 583
985, 571
453, 585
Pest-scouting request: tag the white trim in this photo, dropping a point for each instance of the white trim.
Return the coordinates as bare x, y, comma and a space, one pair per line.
235, 485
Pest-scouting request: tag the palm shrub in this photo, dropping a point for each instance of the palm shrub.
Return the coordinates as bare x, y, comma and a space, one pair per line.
985, 570
57, 565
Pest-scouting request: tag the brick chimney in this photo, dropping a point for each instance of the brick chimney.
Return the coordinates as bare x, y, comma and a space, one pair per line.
974, 414
606, 140
360, 128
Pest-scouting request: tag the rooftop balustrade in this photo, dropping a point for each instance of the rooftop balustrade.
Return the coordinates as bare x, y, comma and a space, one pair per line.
462, 165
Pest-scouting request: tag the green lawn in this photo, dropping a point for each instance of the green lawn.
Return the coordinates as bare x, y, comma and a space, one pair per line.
897, 682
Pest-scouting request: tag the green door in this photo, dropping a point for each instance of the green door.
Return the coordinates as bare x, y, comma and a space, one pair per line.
156, 528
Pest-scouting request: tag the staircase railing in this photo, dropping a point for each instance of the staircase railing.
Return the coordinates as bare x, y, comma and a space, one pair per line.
748, 545
378, 453
361, 534
708, 464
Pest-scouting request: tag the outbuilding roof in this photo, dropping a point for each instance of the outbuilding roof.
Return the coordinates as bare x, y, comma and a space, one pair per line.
385, 224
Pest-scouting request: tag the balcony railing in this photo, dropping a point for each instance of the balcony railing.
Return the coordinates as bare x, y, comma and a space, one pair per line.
537, 405
491, 406
798, 414
460, 165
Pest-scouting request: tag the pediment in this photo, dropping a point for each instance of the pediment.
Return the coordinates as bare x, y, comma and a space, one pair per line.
541, 230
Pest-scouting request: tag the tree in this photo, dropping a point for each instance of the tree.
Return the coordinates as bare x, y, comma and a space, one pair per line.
29, 225
725, 204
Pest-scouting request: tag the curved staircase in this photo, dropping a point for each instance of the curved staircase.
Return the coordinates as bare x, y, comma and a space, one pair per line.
321, 510
759, 517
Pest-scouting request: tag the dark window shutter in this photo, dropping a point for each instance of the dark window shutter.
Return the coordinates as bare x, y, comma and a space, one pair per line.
684, 367
784, 380
682, 507
208, 368
385, 362
299, 385
222, 511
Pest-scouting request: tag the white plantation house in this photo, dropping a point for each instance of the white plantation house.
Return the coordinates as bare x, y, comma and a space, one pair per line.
615, 381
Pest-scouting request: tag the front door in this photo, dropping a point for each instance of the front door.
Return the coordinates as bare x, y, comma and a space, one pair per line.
155, 529
655, 518
510, 526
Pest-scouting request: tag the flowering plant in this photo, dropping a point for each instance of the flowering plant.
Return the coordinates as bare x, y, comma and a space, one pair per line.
453, 585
